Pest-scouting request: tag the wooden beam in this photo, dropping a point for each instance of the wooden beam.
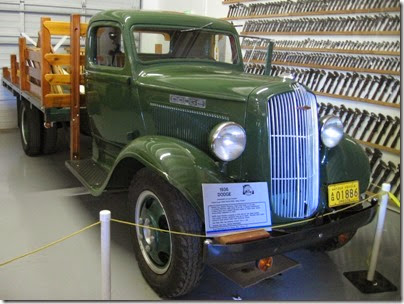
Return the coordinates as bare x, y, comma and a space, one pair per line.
6, 73
365, 100
61, 59
63, 28
45, 44
13, 64
34, 54
243, 237
35, 89
34, 72
22, 45
380, 147
61, 79
57, 100
75, 30
60, 100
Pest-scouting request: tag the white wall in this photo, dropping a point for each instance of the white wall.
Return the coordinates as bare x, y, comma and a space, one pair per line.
211, 8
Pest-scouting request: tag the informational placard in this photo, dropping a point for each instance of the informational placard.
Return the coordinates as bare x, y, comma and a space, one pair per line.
235, 207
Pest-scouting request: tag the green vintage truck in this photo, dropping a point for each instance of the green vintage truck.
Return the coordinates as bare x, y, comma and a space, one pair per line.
169, 108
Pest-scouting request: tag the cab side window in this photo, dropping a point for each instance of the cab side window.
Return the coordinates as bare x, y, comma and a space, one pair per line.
109, 49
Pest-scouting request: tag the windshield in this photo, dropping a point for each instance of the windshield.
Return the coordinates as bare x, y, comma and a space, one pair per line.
198, 44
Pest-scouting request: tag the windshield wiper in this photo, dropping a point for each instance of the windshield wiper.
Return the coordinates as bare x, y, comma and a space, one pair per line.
197, 28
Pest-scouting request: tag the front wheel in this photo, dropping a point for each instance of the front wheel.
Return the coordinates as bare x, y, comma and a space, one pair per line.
171, 264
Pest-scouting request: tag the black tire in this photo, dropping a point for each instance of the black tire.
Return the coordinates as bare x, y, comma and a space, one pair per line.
19, 111
30, 130
177, 273
49, 138
334, 243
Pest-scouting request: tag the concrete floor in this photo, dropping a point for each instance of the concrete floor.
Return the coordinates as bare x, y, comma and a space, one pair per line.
40, 202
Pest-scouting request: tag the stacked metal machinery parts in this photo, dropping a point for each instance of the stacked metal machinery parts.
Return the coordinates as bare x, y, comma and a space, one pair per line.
373, 87
383, 172
346, 45
287, 7
376, 64
378, 23
348, 65
374, 128
370, 127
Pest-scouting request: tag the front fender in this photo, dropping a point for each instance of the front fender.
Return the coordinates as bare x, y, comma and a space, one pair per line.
181, 164
347, 162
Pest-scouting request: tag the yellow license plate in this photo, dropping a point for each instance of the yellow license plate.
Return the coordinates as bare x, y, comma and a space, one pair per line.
343, 193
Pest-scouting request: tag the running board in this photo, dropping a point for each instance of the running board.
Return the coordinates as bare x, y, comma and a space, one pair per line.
247, 274
89, 173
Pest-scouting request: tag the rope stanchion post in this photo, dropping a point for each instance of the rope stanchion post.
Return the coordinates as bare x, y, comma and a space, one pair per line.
371, 281
105, 219
379, 230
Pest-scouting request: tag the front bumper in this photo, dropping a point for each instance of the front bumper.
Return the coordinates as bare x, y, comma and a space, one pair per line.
303, 238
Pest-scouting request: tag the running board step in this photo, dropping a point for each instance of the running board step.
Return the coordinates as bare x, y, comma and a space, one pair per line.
247, 274
89, 173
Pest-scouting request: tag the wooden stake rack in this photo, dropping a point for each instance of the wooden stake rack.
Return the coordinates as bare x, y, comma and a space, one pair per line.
52, 79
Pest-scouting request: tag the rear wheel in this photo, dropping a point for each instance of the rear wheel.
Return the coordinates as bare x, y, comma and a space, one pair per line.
171, 264
49, 138
19, 111
30, 130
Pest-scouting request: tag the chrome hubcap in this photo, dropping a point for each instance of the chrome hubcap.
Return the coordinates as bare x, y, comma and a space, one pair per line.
154, 245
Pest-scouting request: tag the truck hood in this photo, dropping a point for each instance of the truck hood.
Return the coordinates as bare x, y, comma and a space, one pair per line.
206, 81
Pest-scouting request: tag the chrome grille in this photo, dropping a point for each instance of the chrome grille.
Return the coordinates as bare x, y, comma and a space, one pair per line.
294, 146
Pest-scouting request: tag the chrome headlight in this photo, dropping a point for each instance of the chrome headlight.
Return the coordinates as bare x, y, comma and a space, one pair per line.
332, 131
227, 141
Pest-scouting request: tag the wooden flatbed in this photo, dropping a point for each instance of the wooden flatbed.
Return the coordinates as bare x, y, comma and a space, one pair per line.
48, 80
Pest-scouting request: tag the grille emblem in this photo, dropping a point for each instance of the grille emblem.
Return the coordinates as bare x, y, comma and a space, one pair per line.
304, 108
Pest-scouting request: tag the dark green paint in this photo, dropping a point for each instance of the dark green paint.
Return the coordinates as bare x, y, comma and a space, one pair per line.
268, 65
132, 118
181, 164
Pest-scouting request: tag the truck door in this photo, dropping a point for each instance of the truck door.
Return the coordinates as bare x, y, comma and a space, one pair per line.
111, 101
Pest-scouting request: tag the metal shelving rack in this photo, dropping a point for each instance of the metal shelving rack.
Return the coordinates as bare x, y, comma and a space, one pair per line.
368, 34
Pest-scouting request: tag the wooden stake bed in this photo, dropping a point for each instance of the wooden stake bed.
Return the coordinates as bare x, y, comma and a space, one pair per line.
50, 80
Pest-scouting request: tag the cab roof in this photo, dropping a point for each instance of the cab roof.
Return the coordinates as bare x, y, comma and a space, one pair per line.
131, 17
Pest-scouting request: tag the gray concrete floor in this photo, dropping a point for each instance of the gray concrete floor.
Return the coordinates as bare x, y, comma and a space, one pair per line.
39, 204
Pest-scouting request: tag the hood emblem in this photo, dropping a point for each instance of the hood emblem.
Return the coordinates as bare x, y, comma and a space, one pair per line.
305, 108
188, 101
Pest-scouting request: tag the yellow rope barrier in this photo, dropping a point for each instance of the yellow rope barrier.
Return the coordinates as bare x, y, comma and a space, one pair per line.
49, 245
158, 229
391, 195
185, 233
273, 227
